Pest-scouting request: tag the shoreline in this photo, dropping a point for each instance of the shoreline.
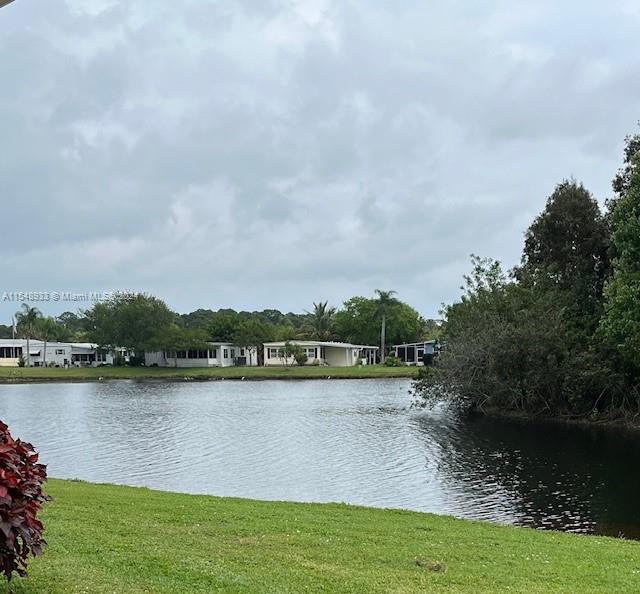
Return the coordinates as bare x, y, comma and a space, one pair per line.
107, 538
602, 423
9, 376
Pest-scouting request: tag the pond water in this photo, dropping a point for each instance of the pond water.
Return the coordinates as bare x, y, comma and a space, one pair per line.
354, 441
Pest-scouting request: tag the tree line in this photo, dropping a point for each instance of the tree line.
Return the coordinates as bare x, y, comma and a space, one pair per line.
558, 335
143, 323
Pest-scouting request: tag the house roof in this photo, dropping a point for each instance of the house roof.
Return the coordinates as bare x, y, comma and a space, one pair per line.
409, 344
321, 343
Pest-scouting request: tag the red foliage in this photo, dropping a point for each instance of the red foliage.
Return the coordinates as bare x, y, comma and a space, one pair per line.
21, 496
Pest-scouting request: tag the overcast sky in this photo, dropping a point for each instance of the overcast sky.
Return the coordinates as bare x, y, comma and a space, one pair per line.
269, 153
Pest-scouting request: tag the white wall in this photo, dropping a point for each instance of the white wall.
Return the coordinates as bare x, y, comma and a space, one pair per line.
160, 360
334, 357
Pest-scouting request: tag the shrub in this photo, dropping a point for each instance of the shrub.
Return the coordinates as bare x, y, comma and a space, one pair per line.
300, 357
21, 496
21, 361
393, 361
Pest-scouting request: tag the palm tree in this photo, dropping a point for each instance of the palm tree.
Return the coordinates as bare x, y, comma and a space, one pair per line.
385, 300
5, 2
27, 319
46, 329
319, 326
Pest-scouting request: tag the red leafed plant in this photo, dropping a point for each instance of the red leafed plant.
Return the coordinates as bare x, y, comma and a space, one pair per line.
21, 496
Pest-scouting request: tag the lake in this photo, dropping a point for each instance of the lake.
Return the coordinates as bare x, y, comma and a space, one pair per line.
354, 441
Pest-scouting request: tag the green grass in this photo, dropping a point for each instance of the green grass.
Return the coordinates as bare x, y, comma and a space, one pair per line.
109, 539
35, 374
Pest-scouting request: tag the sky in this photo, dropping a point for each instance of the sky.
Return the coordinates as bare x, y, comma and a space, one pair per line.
271, 153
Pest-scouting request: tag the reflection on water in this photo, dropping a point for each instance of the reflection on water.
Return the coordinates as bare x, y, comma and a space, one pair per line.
356, 441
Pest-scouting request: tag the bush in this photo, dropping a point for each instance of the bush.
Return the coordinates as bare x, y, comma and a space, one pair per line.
300, 357
393, 361
21, 496
21, 361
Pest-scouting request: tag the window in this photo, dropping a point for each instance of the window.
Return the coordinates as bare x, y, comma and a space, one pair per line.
59, 351
310, 352
213, 353
233, 353
275, 353
226, 353
10, 352
242, 352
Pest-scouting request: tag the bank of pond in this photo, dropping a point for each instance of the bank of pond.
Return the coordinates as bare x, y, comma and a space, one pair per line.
114, 539
12, 375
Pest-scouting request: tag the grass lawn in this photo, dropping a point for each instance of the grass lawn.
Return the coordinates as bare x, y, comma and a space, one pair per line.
23, 374
113, 539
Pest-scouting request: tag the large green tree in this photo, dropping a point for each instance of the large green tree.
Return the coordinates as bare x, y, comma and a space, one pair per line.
566, 250
360, 319
622, 294
223, 325
136, 322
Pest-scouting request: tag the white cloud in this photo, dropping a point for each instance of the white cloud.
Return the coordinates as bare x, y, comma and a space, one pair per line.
270, 153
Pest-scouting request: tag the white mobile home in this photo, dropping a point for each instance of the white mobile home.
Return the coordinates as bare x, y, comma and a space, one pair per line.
56, 354
217, 354
334, 354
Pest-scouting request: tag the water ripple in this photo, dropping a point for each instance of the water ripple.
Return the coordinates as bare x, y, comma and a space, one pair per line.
352, 441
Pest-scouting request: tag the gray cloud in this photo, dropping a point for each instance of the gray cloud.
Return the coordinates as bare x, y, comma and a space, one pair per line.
267, 154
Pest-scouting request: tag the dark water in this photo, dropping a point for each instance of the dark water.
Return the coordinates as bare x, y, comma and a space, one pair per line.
356, 441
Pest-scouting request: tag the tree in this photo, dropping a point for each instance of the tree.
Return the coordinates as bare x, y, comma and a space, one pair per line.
359, 321
74, 325
622, 180
566, 249
320, 321
385, 301
622, 294
46, 330
510, 347
223, 325
252, 333
138, 323
27, 320
293, 351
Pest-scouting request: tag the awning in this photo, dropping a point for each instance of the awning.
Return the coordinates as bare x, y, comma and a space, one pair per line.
34, 353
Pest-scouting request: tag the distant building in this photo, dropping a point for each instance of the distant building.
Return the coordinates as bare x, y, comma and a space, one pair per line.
217, 354
334, 354
416, 353
58, 354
